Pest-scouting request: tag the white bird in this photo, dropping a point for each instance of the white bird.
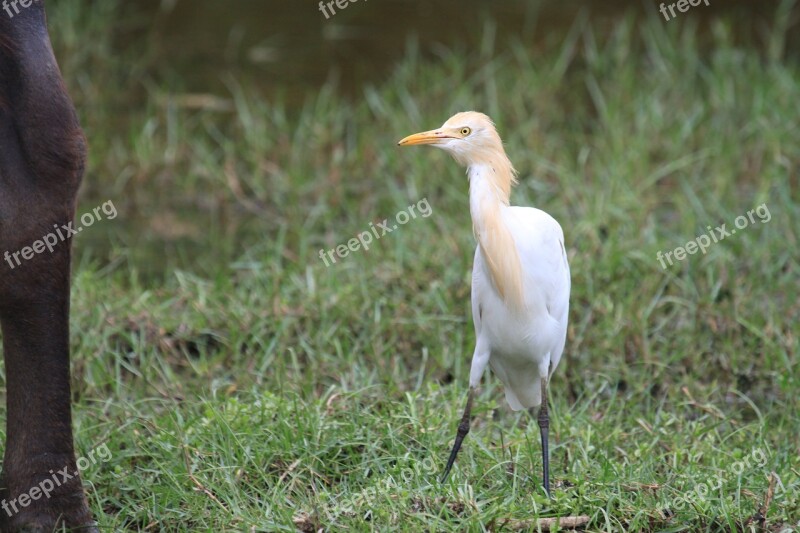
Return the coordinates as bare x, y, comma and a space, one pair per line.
520, 276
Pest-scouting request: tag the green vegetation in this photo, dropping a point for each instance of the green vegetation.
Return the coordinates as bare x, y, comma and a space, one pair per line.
242, 385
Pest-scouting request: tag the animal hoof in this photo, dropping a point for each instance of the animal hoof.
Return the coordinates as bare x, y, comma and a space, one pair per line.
62, 512
30, 528
47, 526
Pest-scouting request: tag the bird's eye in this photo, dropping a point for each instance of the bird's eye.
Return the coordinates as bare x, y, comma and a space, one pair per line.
465, 131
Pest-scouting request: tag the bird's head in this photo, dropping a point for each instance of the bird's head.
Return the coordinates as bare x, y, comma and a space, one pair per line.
470, 137
472, 140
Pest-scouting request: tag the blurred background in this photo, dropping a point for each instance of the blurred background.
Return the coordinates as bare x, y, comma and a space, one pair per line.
179, 69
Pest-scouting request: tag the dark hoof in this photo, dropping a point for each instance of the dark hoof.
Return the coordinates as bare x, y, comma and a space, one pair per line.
62, 512
45, 525
37, 528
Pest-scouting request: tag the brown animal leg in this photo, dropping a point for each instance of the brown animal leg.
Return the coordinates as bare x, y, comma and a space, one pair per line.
42, 154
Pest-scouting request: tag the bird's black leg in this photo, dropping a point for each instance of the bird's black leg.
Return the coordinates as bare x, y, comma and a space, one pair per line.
463, 429
544, 426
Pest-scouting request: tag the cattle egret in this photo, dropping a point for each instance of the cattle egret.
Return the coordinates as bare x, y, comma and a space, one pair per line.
520, 276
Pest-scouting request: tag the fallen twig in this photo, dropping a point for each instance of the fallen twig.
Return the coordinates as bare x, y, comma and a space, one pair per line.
548, 524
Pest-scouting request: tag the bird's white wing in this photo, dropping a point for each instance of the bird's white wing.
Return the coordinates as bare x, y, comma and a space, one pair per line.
540, 241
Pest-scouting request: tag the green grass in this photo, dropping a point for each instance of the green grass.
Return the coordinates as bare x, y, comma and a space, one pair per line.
242, 385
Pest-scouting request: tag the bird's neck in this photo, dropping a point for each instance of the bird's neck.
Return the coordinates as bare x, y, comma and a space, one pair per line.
487, 196
489, 205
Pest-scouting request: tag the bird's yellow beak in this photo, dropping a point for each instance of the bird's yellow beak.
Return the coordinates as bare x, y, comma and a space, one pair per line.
425, 137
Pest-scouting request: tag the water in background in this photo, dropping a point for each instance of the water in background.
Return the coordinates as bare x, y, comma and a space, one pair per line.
291, 44
193, 48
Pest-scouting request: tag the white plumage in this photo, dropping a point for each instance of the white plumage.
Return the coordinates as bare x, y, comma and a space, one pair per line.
522, 347
520, 277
